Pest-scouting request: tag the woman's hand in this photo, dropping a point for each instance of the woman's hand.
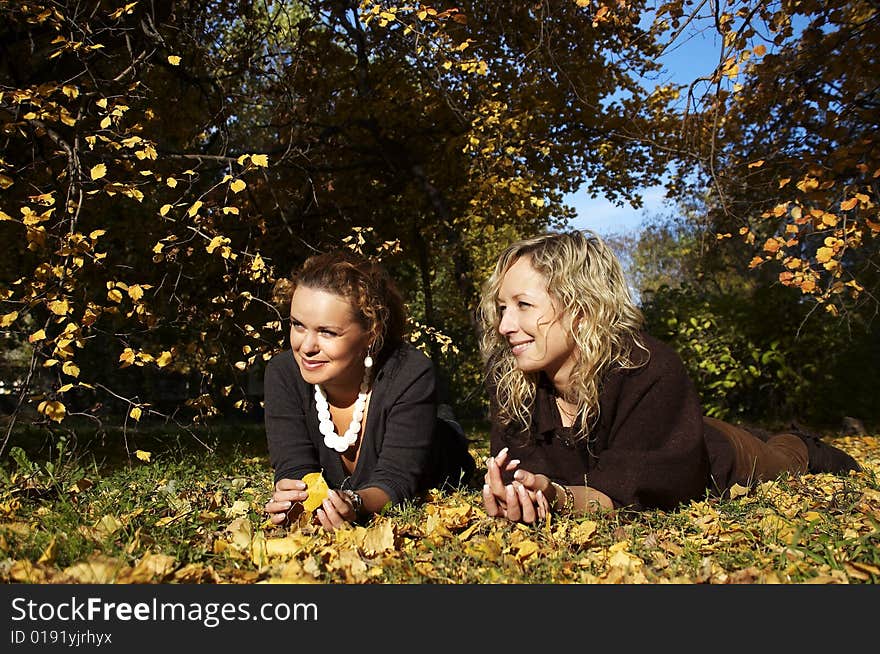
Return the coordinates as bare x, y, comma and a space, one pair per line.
335, 511
286, 502
523, 500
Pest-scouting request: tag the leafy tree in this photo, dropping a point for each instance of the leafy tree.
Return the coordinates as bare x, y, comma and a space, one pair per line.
164, 163
782, 136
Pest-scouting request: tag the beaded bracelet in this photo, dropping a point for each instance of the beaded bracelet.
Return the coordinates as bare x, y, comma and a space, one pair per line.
567, 496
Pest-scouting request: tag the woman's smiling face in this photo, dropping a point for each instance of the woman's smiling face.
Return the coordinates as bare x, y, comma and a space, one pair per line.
532, 325
328, 342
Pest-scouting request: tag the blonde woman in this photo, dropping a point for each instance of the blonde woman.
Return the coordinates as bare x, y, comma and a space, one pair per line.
588, 410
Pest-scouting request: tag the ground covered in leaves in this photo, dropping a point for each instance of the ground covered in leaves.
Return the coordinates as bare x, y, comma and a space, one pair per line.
197, 518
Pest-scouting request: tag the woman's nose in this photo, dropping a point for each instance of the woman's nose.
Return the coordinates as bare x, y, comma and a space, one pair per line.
310, 343
507, 324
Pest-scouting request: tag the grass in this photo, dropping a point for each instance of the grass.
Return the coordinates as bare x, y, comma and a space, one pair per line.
85, 509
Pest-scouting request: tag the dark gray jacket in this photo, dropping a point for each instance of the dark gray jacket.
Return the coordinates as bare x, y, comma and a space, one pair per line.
403, 451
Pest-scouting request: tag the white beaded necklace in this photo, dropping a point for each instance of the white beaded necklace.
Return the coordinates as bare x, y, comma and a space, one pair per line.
325, 421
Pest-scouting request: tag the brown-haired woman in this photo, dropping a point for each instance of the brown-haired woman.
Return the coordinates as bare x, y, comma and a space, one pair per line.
351, 399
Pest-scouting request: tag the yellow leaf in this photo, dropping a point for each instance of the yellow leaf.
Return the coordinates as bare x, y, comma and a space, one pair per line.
98, 171
4, 216
135, 413
127, 356
232, 210
48, 555
261, 160
52, 409
756, 164
143, 455
194, 209
163, 359
317, 488
174, 60
8, 319
135, 292
846, 205
171, 182
165, 209
237, 186
58, 307
70, 368
37, 336
114, 295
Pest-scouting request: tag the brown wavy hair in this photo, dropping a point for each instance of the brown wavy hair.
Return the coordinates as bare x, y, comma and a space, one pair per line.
587, 285
375, 299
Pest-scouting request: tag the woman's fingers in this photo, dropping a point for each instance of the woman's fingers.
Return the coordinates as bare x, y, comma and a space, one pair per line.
527, 507
493, 478
514, 511
490, 503
334, 511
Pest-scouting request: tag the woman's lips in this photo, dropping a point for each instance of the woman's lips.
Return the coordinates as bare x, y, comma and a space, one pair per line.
519, 348
312, 365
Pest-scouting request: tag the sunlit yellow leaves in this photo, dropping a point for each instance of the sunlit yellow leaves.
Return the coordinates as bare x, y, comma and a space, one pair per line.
127, 357
317, 488
52, 409
143, 455
260, 160
8, 318
135, 413
58, 307
70, 368
808, 184
217, 242
379, 539
237, 185
96, 570
37, 336
171, 183
194, 208
152, 568
174, 60
164, 209
164, 359
98, 171
846, 205
135, 292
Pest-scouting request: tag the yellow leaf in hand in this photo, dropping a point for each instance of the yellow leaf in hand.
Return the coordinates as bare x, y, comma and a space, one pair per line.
317, 488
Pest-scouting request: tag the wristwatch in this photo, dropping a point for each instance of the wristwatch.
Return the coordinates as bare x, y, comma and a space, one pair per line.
357, 502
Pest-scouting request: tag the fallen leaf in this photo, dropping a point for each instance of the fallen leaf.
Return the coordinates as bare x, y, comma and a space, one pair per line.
317, 489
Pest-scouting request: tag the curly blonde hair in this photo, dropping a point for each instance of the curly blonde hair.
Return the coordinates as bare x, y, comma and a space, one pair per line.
588, 288
375, 299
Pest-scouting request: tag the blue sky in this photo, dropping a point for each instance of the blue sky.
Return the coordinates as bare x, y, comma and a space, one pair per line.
694, 56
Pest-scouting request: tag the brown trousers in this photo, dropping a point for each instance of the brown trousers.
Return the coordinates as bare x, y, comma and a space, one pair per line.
755, 460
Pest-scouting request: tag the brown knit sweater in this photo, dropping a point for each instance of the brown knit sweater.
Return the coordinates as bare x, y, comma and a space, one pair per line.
649, 448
